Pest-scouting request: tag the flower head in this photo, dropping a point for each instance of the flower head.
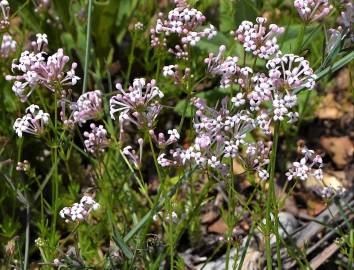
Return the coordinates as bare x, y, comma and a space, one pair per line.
88, 106
79, 211
96, 140
8, 46
290, 71
259, 39
309, 164
312, 10
139, 104
33, 122
34, 69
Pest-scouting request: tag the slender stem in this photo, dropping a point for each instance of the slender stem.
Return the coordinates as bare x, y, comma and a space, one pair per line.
270, 199
130, 60
28, 218
88, 43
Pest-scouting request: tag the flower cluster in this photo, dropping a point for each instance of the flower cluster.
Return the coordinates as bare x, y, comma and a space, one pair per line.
329, 191
8, 46
309, 165
88, 106
165, 216
79, 211
33, 122
290, 71
4, 14
184, 22
97, 140
175, 72
23, 166
259, 40
220, 135
312, 10
34, 69
226, 67
286, 73
138, 104
161, 141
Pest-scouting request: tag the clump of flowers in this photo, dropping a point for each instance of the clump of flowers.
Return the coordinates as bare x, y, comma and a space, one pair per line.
22, 166
88, 106
226, 67
309, 165
4, 14
286, 73
34, 69
160, 139
79, 211
138, 105
8, 46
220, 135
96, 140
183, 21
259, 40
312, 10
33, 122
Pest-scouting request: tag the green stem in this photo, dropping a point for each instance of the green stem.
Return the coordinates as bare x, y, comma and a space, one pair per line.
271, 199
87, 48
28, 213
130, 61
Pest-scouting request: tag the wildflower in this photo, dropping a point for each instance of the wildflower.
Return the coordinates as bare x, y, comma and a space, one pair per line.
8, 46
138, 26
161, 140
35, 69
329, 191
259, 40
312, 10
97, 140
174, 72
138, 104
23, 166
4, 14
79, 211
33, 122
88, 106
41, 42
238, 100
309, 165
136, 158
226, 67
185, 22
164, 216
290, 71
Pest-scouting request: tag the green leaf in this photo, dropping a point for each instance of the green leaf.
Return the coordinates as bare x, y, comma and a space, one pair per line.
121, 244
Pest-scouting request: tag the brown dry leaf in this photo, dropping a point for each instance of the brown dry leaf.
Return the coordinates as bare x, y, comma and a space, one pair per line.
237, 167
209, 217
340, 149
219, 227
329, 108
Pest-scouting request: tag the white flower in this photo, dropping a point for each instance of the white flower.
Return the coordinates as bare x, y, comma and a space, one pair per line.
33, 122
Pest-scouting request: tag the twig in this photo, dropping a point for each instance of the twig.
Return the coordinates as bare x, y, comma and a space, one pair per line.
324, 255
